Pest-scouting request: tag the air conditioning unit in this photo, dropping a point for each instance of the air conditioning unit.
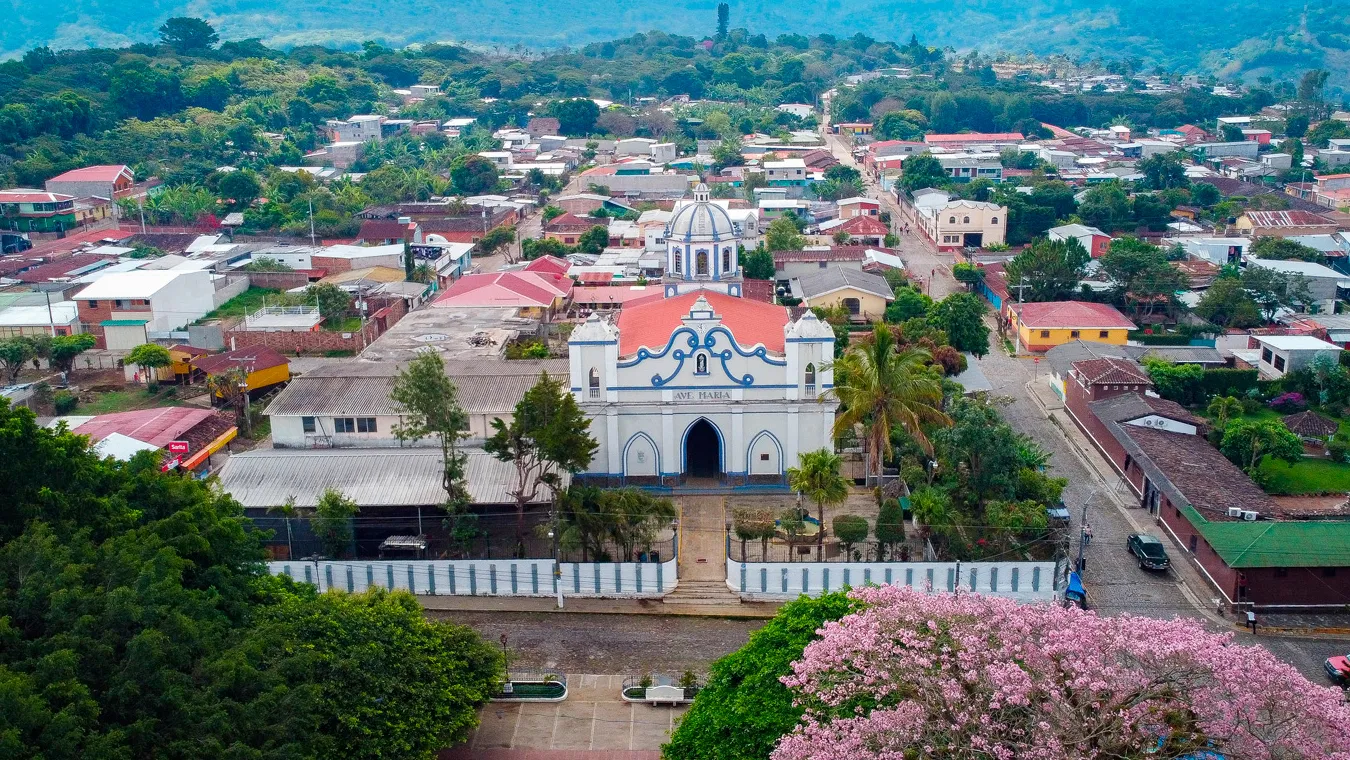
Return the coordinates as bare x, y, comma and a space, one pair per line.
1235, 512
1249, 516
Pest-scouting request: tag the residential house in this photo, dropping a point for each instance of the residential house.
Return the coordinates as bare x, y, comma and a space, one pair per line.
543, 126
851, 207
863, 294
956, 224
968, 140
1284, 223
568, 228
344, 258
533, 294
790, 172
800, 110
861, 230
1240, 149
348, 404
111, 181
120, 309
196, 433
36, 211
1251, 553
791, 264
1216, 250
264, 368
1322, 281
60, 318
1042, 326
1061, 358
964, 167
389, 232
1093, 240
1336, 155
1282, 354
853, 128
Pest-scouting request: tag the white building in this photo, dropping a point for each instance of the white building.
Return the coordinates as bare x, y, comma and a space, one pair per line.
1281, 354
1216, 250
703, 385
158, 300
800, 110
701, 240
60, 318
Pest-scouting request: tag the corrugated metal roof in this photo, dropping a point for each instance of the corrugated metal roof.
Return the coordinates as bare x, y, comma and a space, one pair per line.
370, 477
362, 388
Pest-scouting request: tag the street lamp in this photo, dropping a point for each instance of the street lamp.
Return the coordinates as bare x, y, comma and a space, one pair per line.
557, 567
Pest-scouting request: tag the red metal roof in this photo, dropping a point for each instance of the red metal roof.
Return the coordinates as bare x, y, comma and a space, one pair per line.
751, 322
549, 265
75, 240
758, 290
252, 359
506, 289
596, 278
1065, 315
62, 267
570, 221
32, 196
863, 225
616, 295
384, 229
835, 253
154, 426
972, 137
1287, 219
102, 173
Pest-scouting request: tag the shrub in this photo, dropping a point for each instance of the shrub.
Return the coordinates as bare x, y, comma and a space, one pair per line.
64, 402
1288, 403
1337, 448
850, 530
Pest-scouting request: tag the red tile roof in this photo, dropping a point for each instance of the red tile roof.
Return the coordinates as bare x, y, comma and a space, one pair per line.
1111, 371
384, 229
62, 267
1070, 314
616, 295
972, 137
835, 253
751, 322
863, 225
570, 221
549, 264
596, 278
102, 173
154, 426
758, 290
505, 289
75, 240
252, 359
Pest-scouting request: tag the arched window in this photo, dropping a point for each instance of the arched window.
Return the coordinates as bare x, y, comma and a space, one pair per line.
701, 364
810, 379
993, 220
952, 220
726, 259
679, 262
965, 220
595, 383
701, 262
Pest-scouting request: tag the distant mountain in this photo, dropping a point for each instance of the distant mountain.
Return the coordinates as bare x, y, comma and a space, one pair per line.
1248, 38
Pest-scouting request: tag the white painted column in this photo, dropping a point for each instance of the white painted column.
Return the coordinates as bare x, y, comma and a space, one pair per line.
670, 446
613, 446
790, 447
736, 461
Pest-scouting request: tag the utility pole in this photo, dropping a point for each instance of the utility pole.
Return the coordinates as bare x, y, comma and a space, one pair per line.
141, 204
1082, 539
51, 320
311, 221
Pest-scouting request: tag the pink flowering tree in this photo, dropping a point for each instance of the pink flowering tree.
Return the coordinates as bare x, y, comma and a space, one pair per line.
913, 675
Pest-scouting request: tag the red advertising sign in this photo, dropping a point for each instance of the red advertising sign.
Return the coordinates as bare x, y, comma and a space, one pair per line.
171, 464
177, 447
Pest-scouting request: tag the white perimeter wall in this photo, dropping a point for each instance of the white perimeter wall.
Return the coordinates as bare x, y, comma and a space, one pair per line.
502, 577
1023, 581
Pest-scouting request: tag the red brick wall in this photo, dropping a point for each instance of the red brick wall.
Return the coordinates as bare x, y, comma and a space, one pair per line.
1220, 574
333, 265
92, 318
278, 280
1299, 586
322, 340
1076, 403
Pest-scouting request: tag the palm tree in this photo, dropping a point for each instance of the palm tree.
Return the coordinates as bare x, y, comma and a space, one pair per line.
819, 480
1224, 408
882, 388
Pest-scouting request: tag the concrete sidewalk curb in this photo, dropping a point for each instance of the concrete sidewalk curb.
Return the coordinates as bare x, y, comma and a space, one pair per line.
762, 610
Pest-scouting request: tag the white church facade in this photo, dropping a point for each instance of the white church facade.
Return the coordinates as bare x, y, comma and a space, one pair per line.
703, 387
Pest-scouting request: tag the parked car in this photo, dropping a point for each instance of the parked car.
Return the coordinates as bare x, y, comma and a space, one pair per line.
1058, 516
1149, 550
1338, 668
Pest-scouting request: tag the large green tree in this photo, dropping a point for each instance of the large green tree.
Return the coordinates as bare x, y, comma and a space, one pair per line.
188, 34
744, 708
138, 621
1048, 270
961, 316
576, 116
428, 405
547, 436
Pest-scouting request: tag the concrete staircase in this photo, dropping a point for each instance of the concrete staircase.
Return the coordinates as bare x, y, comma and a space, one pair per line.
702, 593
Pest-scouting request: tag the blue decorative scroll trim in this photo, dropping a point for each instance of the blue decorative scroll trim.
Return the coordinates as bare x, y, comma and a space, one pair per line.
708, 344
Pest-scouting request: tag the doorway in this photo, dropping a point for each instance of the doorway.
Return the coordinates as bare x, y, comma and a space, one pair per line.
702, 450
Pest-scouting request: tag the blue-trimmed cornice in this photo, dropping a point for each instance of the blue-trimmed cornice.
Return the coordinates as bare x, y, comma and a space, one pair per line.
709, 344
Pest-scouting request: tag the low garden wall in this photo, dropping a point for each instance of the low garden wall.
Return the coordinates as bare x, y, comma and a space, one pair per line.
500, 577
1023, 581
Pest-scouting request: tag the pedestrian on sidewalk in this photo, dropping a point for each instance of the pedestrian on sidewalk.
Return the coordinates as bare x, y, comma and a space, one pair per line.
1251, 620
1087, 534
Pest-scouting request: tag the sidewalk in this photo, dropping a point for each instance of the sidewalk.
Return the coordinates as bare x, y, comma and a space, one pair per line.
593, 606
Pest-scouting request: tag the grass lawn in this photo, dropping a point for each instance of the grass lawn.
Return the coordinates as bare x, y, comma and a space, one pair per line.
1310, 476
243, 304
346, 324
124, 401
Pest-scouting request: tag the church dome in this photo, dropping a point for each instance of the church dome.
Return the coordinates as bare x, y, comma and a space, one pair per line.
701, 221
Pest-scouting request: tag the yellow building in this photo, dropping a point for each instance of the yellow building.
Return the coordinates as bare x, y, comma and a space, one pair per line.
862, 294
1042, 326
265, 366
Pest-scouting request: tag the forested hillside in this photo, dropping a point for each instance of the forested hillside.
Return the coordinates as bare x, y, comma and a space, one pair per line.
1227, 37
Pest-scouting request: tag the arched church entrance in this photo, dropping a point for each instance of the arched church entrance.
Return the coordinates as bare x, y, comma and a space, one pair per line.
702, 451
